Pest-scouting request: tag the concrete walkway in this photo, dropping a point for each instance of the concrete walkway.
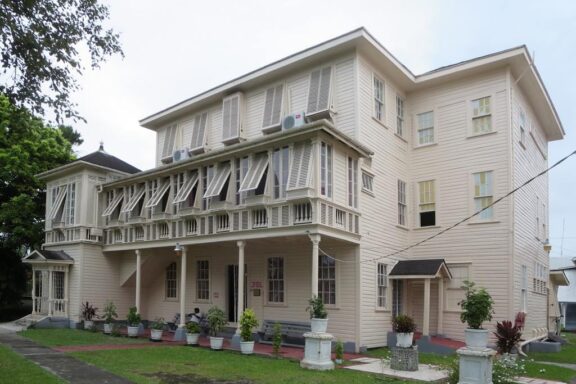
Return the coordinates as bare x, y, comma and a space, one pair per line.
66, 367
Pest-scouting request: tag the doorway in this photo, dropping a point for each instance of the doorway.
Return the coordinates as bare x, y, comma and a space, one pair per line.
397, 297
233, 292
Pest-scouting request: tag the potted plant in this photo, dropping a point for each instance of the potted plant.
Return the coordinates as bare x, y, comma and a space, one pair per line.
318, 315
133, 322
192, 333
88, 313
156, 329
507, 337
404, 327
476, 309
248, 321
109, 316
216, 322
339, 351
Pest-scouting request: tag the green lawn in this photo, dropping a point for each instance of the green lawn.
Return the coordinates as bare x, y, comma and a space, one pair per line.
16, 369
61, 337
567, 355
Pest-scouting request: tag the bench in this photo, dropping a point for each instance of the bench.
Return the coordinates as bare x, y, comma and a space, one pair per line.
292, 332
536, 334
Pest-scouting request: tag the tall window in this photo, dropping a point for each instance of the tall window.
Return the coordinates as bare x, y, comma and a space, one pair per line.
425, 128
427, 203
522, 126
481, 116
327, 279
378, 99
399, 116
454, 291
171, 282
382, 285
483, 194
241, 170
401, 202
326, 170
207, 175
352, 182
71, 203
202, 280
275, 280
537, 217
280, 166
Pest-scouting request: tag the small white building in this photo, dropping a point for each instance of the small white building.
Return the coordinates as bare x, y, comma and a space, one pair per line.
315, 175
566, 295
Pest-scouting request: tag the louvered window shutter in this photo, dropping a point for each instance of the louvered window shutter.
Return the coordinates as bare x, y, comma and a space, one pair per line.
273, 106
300, 170
199, 131
319, 91
169, 137
231, 118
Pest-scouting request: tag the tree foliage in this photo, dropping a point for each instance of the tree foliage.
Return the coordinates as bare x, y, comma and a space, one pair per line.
41, 43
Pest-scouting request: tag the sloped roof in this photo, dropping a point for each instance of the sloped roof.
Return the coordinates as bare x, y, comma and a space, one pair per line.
107, 160
419, 268
46, 256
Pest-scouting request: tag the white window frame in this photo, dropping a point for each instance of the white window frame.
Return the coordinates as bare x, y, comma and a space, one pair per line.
524, 288
453, 288
402, 203
400, 115
222, 174
314, 97
478, 113
273, 107
326, 169
302, 158
378, 98
280, 171
158, 194
522, 125
71, 204
231, 120
256, 171
134, 198
57, 202
186, 188
202, 278
433, 201
198, 140
241, 167
171, 279
352, 181
382, 285
367, 182
111, 207
483, 195
420, 128
322, 270
169, 143
276, 282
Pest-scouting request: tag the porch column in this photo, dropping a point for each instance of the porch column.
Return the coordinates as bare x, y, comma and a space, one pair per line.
315, 241
426, 320
440, 329
66, 291
50, 291
33, 290
241, 244
138, 279
183, 288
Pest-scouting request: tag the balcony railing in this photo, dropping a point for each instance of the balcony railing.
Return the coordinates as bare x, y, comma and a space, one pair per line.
69, 234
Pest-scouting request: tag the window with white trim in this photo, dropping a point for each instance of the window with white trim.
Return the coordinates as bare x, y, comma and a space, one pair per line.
218, 186
522, 126
537, 232
399, 116
402, 207
159, 198
171, 281
199, 133
378, 90
427, 203
524, 288
326, 170
425, 127
232, 118
481, 115
544, 221
454, 287
367, 182
382, 284
299, 176
169, 142
540, 278
280, 168
135, 200
256, 173
241, 168
203, 280
327, 279
207, 176
483, 194
71, 203
112, 209
273, 107
276, 280
319, 90
185, 190
352, 182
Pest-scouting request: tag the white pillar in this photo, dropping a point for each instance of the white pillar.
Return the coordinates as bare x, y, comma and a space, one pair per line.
33, 290
315, 241
50, 292
66, 291
440, 329
241, 245
183, 288
138, 279
426, 320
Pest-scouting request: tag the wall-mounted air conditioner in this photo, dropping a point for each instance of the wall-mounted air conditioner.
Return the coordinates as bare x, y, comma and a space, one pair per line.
180, 154
294, 120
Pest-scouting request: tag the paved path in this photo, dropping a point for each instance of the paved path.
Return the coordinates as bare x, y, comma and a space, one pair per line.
66, 367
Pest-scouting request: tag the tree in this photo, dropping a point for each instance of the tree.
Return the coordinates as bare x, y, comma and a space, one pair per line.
40, 42
27, 147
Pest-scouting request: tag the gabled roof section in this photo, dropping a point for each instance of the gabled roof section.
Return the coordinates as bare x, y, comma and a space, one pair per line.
45, 256
420, 269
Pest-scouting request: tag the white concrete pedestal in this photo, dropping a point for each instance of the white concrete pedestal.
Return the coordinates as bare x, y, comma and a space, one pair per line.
475, 365
318, 351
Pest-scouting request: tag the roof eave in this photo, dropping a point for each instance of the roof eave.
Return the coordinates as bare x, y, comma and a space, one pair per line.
46, 175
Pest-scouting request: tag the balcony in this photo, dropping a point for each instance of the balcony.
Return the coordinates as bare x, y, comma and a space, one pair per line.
73, 234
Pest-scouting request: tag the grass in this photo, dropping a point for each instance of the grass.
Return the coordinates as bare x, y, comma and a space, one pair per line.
16, 369
61, 337
550, 372
567, 355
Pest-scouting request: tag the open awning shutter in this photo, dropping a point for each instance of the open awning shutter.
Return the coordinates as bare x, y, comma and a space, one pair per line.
319, 90
184, 192
218, 181
255, 173
231, 117
199, 131
133, 201
273, 106
57, 203
113, 204
169, 138
300, 171
158, 195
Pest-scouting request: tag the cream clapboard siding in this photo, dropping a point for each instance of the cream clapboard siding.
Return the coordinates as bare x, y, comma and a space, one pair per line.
528, 248
380, 234
295, 98
451, 163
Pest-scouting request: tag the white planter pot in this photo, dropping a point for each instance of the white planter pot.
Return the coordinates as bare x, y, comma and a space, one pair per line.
476, 338
156, 334
338, 361
192, 338
247, 347
404, 340
318, 325
88, 324
133, 331
108, 328
216, 342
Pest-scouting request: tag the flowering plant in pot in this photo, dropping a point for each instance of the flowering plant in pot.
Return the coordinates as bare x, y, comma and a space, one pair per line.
192, 333
404, 327
109, 316
318, 315
216, 322
156, 329
476, 309
248, 322
88, 313
133, 319
339, 352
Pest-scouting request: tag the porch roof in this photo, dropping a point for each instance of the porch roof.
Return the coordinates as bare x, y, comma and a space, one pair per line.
420, 269
559, 277
45, 256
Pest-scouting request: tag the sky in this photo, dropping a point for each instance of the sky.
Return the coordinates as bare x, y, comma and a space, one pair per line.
177, 49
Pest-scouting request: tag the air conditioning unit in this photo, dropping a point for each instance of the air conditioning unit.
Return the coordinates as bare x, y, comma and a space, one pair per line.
294, 120
180, 154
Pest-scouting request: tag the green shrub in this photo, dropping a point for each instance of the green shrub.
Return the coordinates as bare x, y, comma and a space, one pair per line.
110, 312
339, 350
133, 317
277, 339
216, 320
248, 321
403, 324
193, 327
316, 308
476, 306
158, 324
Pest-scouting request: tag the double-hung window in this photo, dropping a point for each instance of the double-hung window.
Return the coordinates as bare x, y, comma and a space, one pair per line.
378, 99
481, 116
326, 170
203, 280
401, 202
483, 194
280, 168
382, 285
71, 203
427, 203
352, 182
454, 287
425, 126
399, 116
171, 282
275, 280
327, 279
